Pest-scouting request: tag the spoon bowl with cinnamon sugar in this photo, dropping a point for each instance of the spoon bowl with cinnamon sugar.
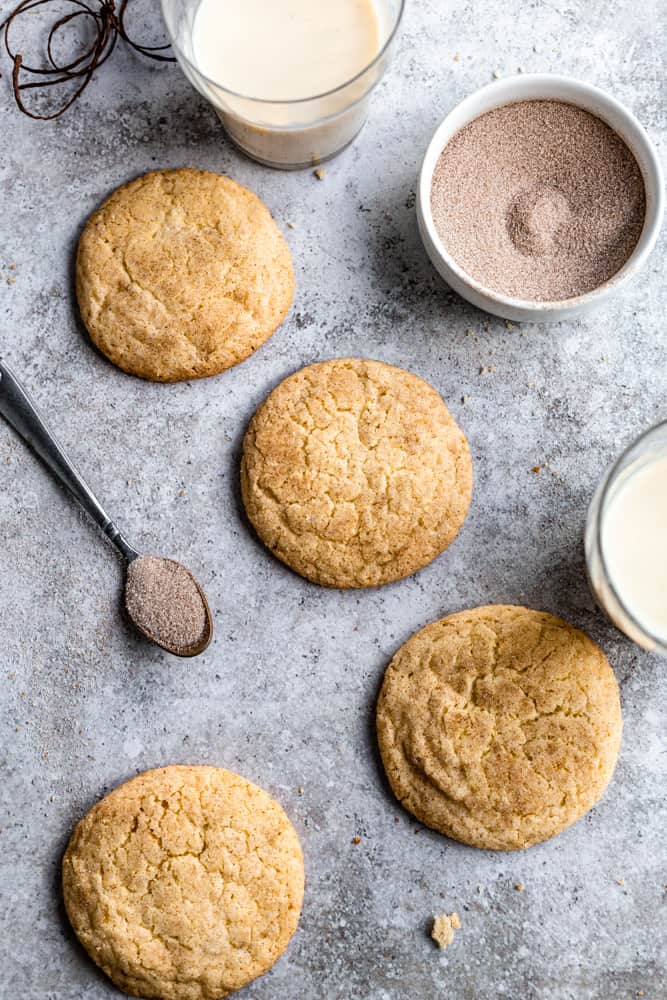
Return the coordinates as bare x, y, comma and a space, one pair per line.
162, 598
166, 603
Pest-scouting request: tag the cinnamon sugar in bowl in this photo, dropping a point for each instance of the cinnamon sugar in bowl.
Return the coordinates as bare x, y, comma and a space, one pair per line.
539, 196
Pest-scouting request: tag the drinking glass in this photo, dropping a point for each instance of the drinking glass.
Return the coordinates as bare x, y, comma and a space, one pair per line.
651, 445
287, 134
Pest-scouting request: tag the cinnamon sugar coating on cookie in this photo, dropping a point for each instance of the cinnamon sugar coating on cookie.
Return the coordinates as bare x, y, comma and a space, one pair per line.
354, 473
185, 883
499, 726
181, 274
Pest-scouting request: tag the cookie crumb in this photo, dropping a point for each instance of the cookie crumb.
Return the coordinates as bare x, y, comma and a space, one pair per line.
619, 881
519, 887
356, 840
443, 929
536, 469
457, 57
300, 790
320, 173
290, 225
11, 281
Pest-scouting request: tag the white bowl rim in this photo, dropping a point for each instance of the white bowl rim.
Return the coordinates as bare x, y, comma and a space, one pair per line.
512, 90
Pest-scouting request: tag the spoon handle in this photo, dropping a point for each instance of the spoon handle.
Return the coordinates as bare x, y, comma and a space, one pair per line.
18, 410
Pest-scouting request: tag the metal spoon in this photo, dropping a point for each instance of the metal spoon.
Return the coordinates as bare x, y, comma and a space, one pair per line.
18, 410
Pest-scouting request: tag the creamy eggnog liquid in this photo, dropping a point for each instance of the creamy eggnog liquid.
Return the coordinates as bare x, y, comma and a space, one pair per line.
284, 50
634, 544
290, 79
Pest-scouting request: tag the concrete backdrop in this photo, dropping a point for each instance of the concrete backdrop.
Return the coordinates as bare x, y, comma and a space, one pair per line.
286, 693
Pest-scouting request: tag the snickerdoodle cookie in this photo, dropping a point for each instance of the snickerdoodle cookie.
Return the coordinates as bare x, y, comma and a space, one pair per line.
185, 883
182, 274
499, 726
354, 473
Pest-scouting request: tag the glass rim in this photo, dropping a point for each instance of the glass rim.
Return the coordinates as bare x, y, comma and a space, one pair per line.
299, 100
658, 642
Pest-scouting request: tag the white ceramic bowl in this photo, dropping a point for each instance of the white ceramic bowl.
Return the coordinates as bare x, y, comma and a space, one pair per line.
541, 87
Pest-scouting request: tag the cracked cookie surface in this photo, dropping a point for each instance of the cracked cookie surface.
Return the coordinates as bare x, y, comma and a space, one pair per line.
499, 726
355, 474
184, 883
181, 274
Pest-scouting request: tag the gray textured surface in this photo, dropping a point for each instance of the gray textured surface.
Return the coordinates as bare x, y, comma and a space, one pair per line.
286, 693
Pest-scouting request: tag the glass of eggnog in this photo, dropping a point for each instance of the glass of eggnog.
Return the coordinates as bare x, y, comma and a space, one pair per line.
290, 79
626, 541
